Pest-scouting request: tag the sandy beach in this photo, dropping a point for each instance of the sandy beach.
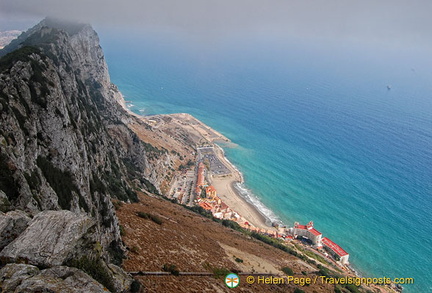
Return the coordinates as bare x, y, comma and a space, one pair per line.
224, 184
228, 194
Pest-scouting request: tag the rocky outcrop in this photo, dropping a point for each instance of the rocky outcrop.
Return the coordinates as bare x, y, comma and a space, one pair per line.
63, 141
65, 153
52, 238
12, 225
28, 278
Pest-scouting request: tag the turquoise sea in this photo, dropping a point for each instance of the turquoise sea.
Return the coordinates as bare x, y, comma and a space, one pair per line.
319, 135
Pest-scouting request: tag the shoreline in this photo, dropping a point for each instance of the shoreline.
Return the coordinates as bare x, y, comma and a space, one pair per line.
225, 186
249, 215
229, 194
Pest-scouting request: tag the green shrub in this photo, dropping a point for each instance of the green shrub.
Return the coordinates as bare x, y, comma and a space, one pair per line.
239, 260
5, 205
156, 219
142, 215
117, 204
352, 288
233, 225
96, 269
135, 286
122, 230
274, 242
288, 271
220, 272
171, 269
149, 216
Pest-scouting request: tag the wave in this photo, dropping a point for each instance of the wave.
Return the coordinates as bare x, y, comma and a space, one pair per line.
252, 199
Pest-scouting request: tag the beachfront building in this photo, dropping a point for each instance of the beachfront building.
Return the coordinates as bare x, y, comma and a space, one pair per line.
211, 192
309, 232
336, 251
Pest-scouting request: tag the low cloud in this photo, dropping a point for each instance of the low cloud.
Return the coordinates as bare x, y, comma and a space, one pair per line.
397, 21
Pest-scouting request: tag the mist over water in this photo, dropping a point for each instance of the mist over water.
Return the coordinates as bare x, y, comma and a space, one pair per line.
320, 136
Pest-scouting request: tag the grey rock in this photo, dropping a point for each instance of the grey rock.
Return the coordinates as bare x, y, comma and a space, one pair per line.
5, 204
65, 145
71, 118
12, 224
12, 275
40, 283
24, 278
61, 279
52, 238
121, 280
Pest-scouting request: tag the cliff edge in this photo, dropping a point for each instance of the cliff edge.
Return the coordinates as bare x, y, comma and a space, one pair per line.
65, 152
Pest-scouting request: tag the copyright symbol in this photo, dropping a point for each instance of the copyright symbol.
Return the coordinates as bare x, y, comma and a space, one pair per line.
250, 280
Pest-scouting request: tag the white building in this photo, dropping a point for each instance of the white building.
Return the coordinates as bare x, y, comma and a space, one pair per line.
337, 252
309, 232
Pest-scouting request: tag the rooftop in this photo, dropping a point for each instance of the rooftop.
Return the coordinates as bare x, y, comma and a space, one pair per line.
333, 246
210, 189
315, 232
205, 205
309, 228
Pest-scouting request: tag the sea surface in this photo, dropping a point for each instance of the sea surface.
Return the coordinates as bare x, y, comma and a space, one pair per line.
338, 134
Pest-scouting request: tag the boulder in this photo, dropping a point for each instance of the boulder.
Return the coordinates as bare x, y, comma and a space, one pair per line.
61, 279
51, 239
25, 278
12, 275
12, 224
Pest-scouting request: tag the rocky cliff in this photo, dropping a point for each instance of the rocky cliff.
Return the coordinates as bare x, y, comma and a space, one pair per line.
64, 146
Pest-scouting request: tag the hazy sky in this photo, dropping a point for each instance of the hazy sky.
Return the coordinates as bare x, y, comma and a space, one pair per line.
394, 22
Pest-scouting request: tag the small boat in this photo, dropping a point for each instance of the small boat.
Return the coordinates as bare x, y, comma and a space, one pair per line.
388, 87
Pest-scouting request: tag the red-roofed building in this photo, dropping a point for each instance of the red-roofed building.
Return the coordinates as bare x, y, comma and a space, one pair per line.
223, 206
211, 192
205, 206
309, 232
338, 253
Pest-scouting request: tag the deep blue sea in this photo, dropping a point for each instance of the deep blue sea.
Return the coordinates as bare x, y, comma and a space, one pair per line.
319, 135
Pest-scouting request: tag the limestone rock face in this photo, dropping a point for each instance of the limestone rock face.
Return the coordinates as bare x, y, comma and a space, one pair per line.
63, 141
52, 238
65, 152
12, 224
28, 278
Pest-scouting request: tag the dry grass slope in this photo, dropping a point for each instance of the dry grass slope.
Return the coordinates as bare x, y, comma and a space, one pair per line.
193, 243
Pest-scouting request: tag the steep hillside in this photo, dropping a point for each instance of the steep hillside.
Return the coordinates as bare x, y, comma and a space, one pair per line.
162, 235
63, 141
